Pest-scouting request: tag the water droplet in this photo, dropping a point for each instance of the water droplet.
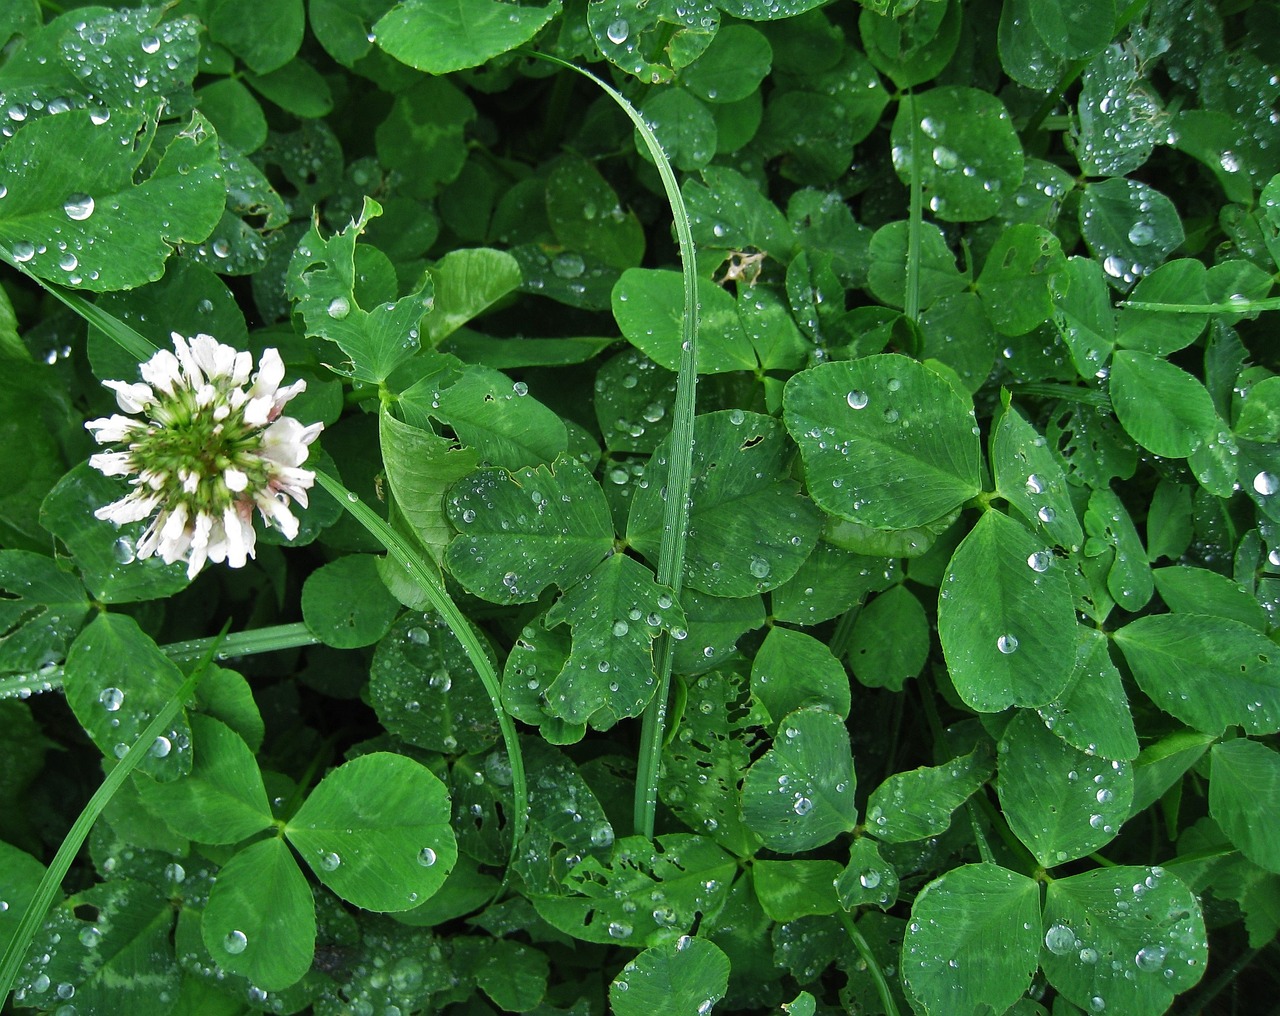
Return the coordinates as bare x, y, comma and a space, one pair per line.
160, 747
1151, 957
1007, 644
111, 699
1104, 796
520, 389
1059, 939
175, 872
329, 861
235, 942
150, 44
869, 879
1046, 515
68, 261
856, 399
426, 857
418, 636
221, 248
568, 265
617, 929
802, 806
620, 628
24, 250
1266, 483
339, 307
78, 207
1040, 561
618, 31
1141, 234
760, 568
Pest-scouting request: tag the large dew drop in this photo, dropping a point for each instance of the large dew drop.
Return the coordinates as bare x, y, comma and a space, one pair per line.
1059, 939
235, 942
1007, 644
78, 207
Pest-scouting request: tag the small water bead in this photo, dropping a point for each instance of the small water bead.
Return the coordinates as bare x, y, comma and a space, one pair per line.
111, 699
760, 568
1046, 515
150, 44
65, 990
78, 207
468, 516
175, 872
426, 857
329, 861
235, 942
1007, 644
1104, 796
68, 262
339, 307
520, 389
620, 628
1040, 561
98, 117
618, 31
24, 250
869, 879
160, 747
857, 399
1151, 957
1266, 483
418, 636
221, 248
619, 929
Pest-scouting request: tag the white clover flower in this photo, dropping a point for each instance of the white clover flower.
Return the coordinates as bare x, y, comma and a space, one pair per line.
208, 452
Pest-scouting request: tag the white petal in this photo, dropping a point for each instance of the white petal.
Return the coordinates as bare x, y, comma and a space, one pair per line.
240, 535
275, 511
163, 370
190, 367
134, 507
198, 551
286, 440
109, 429
132, 398
112, 463
270, 374
235, 479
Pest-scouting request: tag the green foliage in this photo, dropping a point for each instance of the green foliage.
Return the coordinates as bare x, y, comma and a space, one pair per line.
961, 561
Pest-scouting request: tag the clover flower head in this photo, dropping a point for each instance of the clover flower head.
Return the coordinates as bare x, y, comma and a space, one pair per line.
205, 443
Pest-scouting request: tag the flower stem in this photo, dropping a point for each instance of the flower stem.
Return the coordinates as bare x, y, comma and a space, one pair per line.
408, 558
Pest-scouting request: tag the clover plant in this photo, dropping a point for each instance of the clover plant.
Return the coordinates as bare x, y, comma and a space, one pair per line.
777, 507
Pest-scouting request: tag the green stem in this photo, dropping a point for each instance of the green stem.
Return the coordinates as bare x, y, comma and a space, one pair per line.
408, 558
1229, 307
887, 1001
241, 643
675, 517
50, 885
915, 220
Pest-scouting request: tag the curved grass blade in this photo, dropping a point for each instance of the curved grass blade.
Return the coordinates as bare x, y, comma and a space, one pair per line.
50, 885
675, 521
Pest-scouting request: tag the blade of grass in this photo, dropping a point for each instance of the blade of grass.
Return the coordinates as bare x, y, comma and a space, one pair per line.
675, 519
881, 982
915, 219
133, 342
404, 554
241, 643
51, 884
